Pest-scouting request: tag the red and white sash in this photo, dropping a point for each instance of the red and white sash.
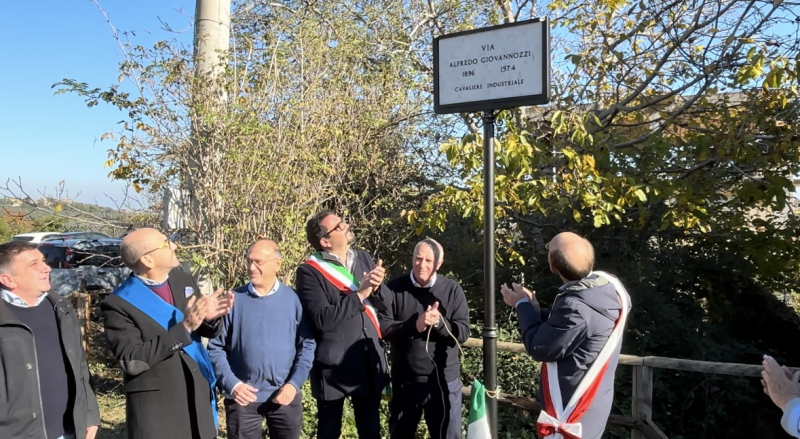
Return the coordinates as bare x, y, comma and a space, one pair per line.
557, 421
342, 279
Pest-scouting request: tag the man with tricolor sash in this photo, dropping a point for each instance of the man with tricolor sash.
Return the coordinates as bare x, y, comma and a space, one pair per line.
578, 340
154, 322
342, 291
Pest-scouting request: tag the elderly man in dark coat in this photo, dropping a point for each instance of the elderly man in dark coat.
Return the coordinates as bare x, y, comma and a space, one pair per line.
154, 322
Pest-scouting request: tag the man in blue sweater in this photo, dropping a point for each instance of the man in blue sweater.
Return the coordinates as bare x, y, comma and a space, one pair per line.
263, 354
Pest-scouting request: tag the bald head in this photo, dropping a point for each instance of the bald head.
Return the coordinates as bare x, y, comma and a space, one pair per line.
570, 256
265, 245
263, 264
135, 244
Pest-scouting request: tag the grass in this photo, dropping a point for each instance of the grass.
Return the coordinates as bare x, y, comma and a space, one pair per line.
107, 380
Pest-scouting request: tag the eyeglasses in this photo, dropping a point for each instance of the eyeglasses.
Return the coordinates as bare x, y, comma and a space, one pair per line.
163, 245
259, 263
339, 227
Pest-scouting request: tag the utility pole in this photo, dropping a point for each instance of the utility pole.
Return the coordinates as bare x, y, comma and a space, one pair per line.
212, 32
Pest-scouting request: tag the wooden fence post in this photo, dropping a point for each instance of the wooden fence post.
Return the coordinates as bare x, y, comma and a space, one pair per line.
82, 301
642, 406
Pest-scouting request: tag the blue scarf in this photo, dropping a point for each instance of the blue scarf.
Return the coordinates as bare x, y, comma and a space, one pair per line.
145, 300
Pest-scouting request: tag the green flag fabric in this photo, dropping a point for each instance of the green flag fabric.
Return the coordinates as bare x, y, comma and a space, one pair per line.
478, 427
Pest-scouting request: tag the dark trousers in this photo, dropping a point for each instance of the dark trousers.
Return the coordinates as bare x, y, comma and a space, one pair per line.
367, 414
283, 421
440, 401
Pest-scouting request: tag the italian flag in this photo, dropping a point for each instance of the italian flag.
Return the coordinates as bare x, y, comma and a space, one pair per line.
478, 427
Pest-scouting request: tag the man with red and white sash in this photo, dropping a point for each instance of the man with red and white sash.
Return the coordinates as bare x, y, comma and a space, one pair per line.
578, 340
342, 291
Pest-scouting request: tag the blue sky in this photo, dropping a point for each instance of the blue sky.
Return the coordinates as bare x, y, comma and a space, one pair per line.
47, 138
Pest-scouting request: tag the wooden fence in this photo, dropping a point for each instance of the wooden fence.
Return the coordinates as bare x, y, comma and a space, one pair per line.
640, 421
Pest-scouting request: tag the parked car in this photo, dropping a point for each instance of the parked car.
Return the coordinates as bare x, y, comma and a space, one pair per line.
77, 236
96, 262
35, 237
73, 253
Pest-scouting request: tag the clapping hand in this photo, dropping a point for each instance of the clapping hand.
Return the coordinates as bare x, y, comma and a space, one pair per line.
430, 317
219, 304
779, 384
371, 280
512, 297
194, 312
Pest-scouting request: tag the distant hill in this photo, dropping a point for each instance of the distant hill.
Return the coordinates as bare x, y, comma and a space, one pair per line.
17, 205
71, 215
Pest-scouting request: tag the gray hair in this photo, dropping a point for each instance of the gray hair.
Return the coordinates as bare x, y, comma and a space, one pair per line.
436, 248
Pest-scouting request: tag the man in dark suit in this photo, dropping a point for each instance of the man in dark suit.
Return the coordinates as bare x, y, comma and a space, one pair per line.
154, 322
341, 291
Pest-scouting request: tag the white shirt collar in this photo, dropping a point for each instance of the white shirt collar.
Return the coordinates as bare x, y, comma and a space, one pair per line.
272, 291
15, 300
351, 256
147, 281
428, 285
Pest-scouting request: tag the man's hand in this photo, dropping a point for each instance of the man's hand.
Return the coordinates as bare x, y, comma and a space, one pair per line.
244, 394
777, 385
789, 375
429, 318
91, 432
194, 312
286, 394
512, 297
219, 304
371, 280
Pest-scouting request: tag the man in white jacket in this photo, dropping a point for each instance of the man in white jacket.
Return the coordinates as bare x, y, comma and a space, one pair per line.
782, 387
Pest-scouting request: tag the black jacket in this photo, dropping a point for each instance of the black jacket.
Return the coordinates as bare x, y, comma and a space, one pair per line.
166, 395
410, 359
349, 358
20, 398
572, 334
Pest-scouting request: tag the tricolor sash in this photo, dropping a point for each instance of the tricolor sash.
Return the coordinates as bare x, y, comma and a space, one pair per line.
342, 279
557, 421
145, 300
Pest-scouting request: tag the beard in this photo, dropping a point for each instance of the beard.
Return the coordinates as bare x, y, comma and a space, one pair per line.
351, 238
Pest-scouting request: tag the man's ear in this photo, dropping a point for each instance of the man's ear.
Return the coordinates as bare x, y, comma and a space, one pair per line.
7, 281
439, 265
147, 262
325, 243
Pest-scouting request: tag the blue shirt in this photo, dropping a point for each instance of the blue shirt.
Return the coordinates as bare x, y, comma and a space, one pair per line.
791, 418
265, 342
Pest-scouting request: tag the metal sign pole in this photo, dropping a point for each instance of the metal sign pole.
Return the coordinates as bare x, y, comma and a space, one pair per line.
489, 329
